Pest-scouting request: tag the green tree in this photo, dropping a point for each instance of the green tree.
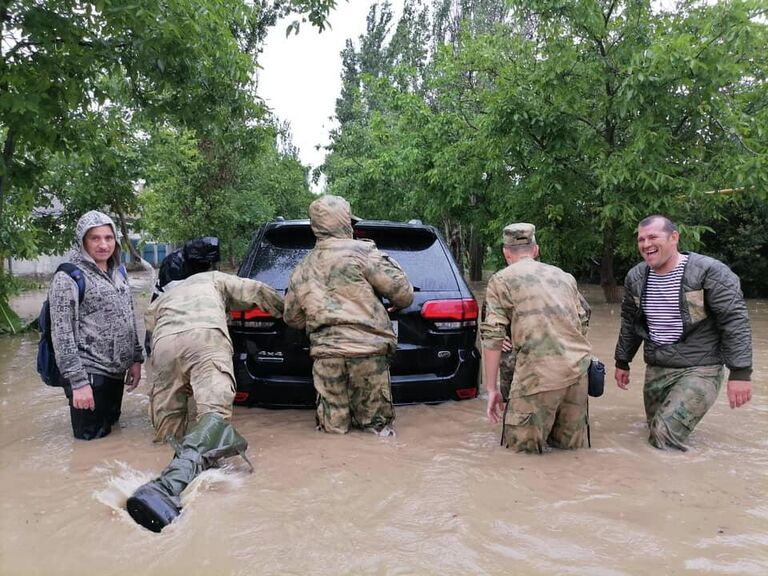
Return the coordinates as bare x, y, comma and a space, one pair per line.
606, 112
180, 63
172, 60
738, 235
221, 188
409, 127
582, 116
104, 173
63, 59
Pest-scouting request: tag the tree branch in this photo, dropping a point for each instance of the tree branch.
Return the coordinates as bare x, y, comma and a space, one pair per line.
735, 135
9, 148
607, 16
676, 129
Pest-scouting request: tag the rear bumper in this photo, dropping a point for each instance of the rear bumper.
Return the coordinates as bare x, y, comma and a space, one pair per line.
285, 391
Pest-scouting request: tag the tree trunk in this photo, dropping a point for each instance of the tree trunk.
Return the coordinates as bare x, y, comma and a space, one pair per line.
611, 290
135, 256
455, 243
476, 252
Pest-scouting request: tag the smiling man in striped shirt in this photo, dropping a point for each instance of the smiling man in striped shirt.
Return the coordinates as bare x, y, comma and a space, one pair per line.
689, 311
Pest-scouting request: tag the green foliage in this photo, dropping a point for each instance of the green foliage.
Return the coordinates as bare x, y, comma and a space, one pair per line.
84, 84
223, 188
314, 11
10, 323
582, 117
63, 61
738, 236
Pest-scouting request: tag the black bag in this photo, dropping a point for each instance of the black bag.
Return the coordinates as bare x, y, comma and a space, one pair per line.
596, 376
197, 255
203, 249
46, 360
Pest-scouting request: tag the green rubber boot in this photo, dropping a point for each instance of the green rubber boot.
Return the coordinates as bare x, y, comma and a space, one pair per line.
157, 503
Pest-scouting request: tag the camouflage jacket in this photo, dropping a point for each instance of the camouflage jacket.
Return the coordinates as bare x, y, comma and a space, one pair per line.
335, 295
548, 319
202, 301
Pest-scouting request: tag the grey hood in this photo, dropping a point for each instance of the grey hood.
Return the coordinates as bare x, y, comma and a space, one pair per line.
90, 220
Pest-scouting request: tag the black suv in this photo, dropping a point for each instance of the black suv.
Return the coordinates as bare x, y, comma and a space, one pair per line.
436, 356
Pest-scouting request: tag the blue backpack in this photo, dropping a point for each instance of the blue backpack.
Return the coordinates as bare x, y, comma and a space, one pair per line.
46, 360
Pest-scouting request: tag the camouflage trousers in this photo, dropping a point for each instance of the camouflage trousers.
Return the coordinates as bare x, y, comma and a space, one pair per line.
187, 370
353, 392
506, 372
556, 418
676, 399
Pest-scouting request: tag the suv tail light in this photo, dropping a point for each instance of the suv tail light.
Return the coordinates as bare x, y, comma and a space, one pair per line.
466, 393
451, 314
253, 318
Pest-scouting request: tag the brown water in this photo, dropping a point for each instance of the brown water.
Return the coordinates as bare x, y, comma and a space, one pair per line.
440, 498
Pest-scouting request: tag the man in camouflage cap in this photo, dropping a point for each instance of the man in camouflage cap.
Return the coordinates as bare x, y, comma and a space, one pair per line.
548, 318
335, 295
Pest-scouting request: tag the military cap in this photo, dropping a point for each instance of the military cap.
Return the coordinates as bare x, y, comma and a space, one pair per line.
519, 234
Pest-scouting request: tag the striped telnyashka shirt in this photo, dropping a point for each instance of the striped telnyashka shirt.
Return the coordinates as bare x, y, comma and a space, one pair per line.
661, 304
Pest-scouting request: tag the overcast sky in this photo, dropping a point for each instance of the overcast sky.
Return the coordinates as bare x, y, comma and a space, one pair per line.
301, 75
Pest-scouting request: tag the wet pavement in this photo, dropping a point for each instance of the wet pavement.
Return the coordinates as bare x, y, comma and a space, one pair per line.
440, 498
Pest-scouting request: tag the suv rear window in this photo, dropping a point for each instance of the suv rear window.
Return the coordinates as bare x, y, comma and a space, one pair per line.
416, 250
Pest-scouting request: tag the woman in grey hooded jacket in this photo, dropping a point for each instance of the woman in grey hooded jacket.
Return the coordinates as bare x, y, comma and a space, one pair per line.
95, 341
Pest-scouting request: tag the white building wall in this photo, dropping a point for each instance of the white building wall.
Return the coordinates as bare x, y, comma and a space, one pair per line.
44, 265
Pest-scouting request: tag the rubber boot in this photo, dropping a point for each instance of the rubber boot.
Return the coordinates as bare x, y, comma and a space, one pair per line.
157, 503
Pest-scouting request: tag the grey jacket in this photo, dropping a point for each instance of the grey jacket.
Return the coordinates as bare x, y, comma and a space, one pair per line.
99, 335
716, 327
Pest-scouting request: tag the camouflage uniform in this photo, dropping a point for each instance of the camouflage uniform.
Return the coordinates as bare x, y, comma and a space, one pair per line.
548, 319
192, 350
506, 365
335, 295
676, 399
506, 372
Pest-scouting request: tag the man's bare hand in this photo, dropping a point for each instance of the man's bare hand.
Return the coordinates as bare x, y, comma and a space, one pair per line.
133, 376
739, 392
622, 378
82, 398
495, 407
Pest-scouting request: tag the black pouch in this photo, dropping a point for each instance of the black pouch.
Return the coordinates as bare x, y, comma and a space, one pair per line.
596, 376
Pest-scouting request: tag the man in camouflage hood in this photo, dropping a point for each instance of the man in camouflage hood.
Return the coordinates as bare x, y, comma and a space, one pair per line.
547, 317
335, 295
95, 341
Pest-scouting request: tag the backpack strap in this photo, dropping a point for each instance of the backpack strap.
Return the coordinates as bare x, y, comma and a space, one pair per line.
77, 275
123, 272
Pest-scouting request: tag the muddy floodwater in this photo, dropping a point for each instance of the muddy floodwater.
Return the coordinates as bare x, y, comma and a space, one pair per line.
440, 498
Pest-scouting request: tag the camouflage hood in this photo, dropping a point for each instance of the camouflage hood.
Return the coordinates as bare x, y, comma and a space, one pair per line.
330, 217
90, 220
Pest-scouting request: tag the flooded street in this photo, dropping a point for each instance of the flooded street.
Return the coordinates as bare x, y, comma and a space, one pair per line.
440, 498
